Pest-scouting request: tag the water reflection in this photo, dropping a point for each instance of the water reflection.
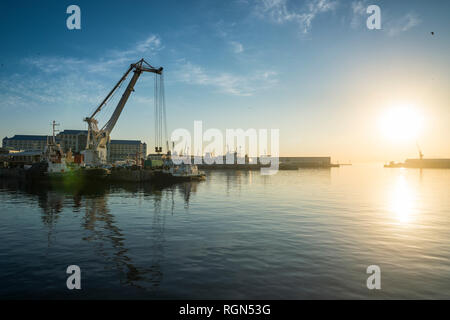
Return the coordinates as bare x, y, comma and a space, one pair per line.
302, 234
101, 227
403, 201
185, 190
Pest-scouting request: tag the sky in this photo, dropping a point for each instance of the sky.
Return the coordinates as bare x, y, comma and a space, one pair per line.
311, 69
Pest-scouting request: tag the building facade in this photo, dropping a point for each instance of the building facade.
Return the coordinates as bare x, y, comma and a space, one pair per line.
119, 150
74, 140
24, 158
306, 161
25, 142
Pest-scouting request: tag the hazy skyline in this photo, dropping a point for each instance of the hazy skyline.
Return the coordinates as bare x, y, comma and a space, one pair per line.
310, 68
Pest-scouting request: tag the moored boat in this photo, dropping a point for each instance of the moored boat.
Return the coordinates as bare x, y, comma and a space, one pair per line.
183, 172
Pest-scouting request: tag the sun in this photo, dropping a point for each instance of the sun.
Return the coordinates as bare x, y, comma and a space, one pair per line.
401, 123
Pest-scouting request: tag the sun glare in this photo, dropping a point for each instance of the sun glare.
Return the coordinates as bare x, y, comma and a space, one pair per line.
402, 203
401, 123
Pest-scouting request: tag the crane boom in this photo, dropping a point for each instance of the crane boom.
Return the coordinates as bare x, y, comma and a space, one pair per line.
111, 92
116, 114
95, 153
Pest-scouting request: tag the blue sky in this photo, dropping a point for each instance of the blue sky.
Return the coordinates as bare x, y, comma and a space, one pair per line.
310, 68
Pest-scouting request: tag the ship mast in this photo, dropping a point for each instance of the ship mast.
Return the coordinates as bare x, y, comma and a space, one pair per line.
54, 130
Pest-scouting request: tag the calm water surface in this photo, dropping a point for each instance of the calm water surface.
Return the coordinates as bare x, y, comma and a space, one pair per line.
302, 234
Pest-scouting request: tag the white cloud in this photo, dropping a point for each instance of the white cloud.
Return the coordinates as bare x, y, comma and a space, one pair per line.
113, 59
152, 43
225, 31
358, 13
55, 64
410, 20
237, 47
224, 82
149, 46
221, 28
66, 82
278, 12
41, 91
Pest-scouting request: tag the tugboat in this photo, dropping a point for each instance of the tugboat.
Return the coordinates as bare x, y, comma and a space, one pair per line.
186, 172
56, 162
56, 165
182, 172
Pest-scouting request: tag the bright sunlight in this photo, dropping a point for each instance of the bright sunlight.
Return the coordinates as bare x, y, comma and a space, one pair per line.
401, 123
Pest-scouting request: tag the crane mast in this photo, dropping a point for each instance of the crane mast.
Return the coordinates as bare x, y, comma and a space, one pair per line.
96, 153
420, 151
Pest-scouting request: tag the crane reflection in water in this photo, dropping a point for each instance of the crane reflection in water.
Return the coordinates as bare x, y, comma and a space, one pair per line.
101, 228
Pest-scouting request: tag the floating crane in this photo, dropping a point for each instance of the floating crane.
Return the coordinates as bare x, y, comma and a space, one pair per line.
96, 153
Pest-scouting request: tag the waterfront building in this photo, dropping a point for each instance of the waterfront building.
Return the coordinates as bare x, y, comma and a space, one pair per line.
306, 161
427, 163
4, 156
25, 142
120, 150
25, 158
74, 140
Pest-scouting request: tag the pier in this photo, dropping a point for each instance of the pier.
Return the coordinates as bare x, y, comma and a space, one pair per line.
421, 164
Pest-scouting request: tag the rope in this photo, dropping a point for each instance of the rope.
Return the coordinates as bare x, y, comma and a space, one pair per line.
166, 137
106, 106
160, 113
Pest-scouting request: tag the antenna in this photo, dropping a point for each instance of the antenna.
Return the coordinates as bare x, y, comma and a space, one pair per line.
54, 130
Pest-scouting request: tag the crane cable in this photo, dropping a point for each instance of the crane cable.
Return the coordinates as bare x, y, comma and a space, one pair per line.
166, 137
160, 113
156, 101
108, 103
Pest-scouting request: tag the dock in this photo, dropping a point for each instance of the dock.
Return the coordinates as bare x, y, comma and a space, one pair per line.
421, 164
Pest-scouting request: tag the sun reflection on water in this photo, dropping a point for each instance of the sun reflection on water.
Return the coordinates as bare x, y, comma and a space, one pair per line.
402, 203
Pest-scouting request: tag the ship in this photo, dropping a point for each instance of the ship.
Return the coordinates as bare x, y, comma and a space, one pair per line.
182, 171
55, 165
420, 163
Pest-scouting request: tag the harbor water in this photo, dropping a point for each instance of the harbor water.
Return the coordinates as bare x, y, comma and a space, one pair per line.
304, 234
